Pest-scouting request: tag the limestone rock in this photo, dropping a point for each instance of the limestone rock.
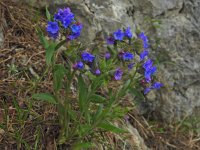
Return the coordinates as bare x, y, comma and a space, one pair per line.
2, 25
1, 37
135, 141
180, 41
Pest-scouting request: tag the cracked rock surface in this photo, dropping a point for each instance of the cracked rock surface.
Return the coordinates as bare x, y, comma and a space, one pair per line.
178, 51
1, 37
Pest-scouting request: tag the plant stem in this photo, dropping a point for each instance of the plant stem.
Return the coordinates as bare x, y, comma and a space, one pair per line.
67, 105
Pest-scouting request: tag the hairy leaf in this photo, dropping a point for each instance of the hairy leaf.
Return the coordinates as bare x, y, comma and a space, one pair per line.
45, 97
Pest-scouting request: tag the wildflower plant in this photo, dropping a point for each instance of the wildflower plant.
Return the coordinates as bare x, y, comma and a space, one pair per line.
96, 102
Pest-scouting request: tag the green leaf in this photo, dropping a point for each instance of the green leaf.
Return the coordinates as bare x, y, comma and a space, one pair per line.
42, 38
97, 82
97, 98
73, 115
124, 89
58, 74
62, 139
17, 106
84, 129
98, 113
83, 93
2, 126
49, 53
85, 145
45, 97
60, 44
118, 112
135, 92
48, 15
110, 127
112, 51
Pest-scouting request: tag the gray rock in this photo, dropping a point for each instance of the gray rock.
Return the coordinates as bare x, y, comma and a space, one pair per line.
2, 24
180, 38
1, 37
179, 48
136, 142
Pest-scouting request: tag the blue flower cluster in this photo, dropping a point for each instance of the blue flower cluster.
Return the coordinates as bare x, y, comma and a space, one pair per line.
78, 65
149, 69
145, 43
76, 31
130, 66
53, 29
128, 32
119, 35
143, 54
87, 57
145, 40
64, 22
97, 72
118, 74
107, 55
145, 63
156, 85
127, 56
65, 18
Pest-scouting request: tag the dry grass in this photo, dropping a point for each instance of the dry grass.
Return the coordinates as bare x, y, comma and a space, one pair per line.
21, 62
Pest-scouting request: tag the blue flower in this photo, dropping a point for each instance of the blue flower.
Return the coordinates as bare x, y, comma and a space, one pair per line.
62, 13
144, 54
149, 72
59, 16
118, 74
110, 40
128, 33
66, 22
53, 35
73, 36
153, 70
148, 78
76, 28
76, 31
145, 40
130, 66
127, 56
148, 64
118, 35
65, 16
78, 65
149, 69
87, 57
107, 55
157, 85
147, 90
97, 72
52, 29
